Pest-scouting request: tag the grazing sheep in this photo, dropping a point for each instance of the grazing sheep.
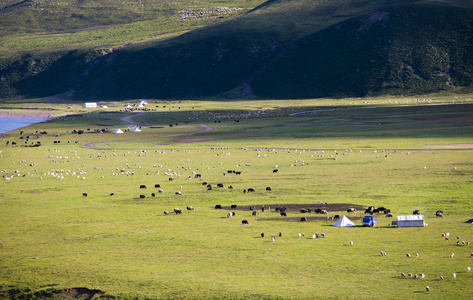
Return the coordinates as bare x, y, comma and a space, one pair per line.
166, 213
427, 288
262, 234
451, 255
468, 269
190, 208
417, 254
403, 275
178, 193
454, 275
389, 215
351, 243
177, 211
422, 275
142, 196
322, 234
351, 210
408, 255
160, 191
142, 186
229, 215
409, 274
441, 277
244, 222
84, 195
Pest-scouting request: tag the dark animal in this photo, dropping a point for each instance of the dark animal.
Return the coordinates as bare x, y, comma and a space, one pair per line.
283, 214
254, 213
251, 190
324, 212
252, 208
166, 213
234, 206
220, 185
275, 170
153, 195
157, 185
387, 211
244, 222
351, 210
111, 194
230, 187
336, 217
142, 196
303, 219
238, 173
142, 186
190, 208
439, 213
416, 212
177, 211
218, 206
304, 210
84, 194
198, 176
389, 215
262, 234
318, 211
268, 188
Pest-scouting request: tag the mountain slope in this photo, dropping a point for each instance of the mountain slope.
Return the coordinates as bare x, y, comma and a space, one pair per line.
282, 49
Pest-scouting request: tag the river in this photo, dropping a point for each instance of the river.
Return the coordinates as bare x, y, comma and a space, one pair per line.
9, 124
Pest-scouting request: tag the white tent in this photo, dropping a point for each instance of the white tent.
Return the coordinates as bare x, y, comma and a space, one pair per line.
136, 129
142, 104
344, 222
410, 221
90, 105
118, 130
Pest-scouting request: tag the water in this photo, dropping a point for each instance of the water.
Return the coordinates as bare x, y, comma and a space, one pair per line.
9, 124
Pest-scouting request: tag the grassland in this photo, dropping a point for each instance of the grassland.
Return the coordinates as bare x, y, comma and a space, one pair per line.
381, 152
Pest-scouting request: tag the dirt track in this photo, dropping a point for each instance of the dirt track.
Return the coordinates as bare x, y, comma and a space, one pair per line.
206, 128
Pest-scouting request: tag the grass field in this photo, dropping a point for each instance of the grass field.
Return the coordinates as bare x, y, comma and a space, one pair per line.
403, 154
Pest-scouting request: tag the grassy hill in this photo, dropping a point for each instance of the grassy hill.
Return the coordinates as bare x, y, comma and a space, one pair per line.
277, 49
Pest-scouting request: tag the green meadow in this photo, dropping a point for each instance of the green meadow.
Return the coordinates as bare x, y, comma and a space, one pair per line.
399, 153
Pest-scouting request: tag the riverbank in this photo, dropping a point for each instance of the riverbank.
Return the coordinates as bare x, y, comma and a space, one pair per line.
23, 115
12, 121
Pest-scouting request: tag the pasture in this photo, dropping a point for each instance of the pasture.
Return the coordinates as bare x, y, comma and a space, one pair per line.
402, 154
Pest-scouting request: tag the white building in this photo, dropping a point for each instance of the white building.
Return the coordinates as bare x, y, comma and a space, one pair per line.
90, 105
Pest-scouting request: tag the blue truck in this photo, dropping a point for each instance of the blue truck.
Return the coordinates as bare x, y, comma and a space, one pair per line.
370, 221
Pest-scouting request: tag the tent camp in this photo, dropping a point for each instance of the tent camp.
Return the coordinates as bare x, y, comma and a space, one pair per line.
118, 130
136, 129
344, 222
90, 105
410, 221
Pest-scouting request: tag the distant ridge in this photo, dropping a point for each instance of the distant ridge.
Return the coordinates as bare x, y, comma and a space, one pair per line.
280, 50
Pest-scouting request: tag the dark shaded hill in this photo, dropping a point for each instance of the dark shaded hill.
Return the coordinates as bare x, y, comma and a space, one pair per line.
349, 48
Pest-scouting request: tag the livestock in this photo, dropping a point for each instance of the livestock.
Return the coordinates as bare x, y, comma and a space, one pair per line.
230, 187
244, 222
142, 196
351, 210
386, 211
268, 188
318, 211
254, 213
275, 171
160, 191
416, 212
283, 214
177, 211
111, 194
439, 213
218, 206
251, 190
238, 173
336, 217
324, 212
166, 213
190, 208
389, 215
220, 185
153, 195
252, 208
304, 210
427, 288
233, 206
408, 255
178, 193
303, 219
262, 234
84, 194
142, 186
229, 215
351, 243
198, 176
157, 185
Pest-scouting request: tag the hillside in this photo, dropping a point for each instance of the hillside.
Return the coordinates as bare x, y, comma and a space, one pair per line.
279, 49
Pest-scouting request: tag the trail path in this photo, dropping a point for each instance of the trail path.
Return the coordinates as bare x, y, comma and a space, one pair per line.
127, 119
